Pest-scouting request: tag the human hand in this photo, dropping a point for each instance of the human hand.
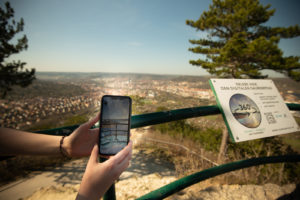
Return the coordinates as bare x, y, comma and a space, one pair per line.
81, 141
98, 177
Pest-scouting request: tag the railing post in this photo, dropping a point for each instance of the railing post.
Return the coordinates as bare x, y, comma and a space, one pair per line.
223, 146
110, 194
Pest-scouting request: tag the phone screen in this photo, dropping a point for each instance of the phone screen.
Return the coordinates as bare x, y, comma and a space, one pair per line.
114, 124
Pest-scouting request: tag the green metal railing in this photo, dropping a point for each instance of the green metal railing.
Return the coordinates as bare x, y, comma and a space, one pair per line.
148, 119
187, 181
173, 115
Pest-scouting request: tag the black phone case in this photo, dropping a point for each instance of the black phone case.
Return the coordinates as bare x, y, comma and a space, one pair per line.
129, 120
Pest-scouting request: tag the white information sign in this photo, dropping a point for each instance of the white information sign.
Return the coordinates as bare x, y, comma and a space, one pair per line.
252, 108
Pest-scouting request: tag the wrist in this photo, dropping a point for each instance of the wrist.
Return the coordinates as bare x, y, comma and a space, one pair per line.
64, 147
89, 190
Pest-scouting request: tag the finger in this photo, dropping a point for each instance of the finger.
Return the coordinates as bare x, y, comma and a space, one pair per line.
93, 121
119, 157
94, 155
90, 123
125, 163
94, 131
120, 166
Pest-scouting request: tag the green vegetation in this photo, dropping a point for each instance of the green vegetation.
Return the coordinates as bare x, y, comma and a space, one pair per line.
210, 140
137, 102
267, 147
12, 73
238, 43
76, 119
60, 121
140, 104
294, 142
293, 139
42, 126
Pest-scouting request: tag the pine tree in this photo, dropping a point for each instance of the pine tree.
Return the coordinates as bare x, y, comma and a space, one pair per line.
12, 73
239, 44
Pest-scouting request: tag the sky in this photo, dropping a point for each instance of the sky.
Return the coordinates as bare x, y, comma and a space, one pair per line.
135, 36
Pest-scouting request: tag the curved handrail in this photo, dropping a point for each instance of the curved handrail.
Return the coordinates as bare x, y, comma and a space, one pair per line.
187, 181
160, 117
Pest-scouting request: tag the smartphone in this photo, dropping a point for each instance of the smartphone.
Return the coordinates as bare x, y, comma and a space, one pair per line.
114, 129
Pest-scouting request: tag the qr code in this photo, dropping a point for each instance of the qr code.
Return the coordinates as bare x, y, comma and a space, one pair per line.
270, 118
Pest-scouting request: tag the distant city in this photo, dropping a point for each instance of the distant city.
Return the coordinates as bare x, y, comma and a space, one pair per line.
26, 111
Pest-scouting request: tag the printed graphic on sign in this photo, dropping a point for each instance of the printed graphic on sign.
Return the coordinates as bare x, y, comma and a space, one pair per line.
245, 110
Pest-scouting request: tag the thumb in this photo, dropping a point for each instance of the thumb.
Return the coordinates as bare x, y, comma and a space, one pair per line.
90, 123
94, 158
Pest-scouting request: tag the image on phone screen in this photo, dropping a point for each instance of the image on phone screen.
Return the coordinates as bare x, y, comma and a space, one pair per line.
114, 124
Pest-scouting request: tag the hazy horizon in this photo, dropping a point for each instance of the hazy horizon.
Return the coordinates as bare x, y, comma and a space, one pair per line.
271, 74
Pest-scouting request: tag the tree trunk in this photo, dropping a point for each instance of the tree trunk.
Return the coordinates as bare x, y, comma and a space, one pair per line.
223, 146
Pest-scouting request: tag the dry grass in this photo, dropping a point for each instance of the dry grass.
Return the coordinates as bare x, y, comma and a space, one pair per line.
189, 157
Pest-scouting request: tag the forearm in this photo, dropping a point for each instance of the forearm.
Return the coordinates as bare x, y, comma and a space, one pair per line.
15, 142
